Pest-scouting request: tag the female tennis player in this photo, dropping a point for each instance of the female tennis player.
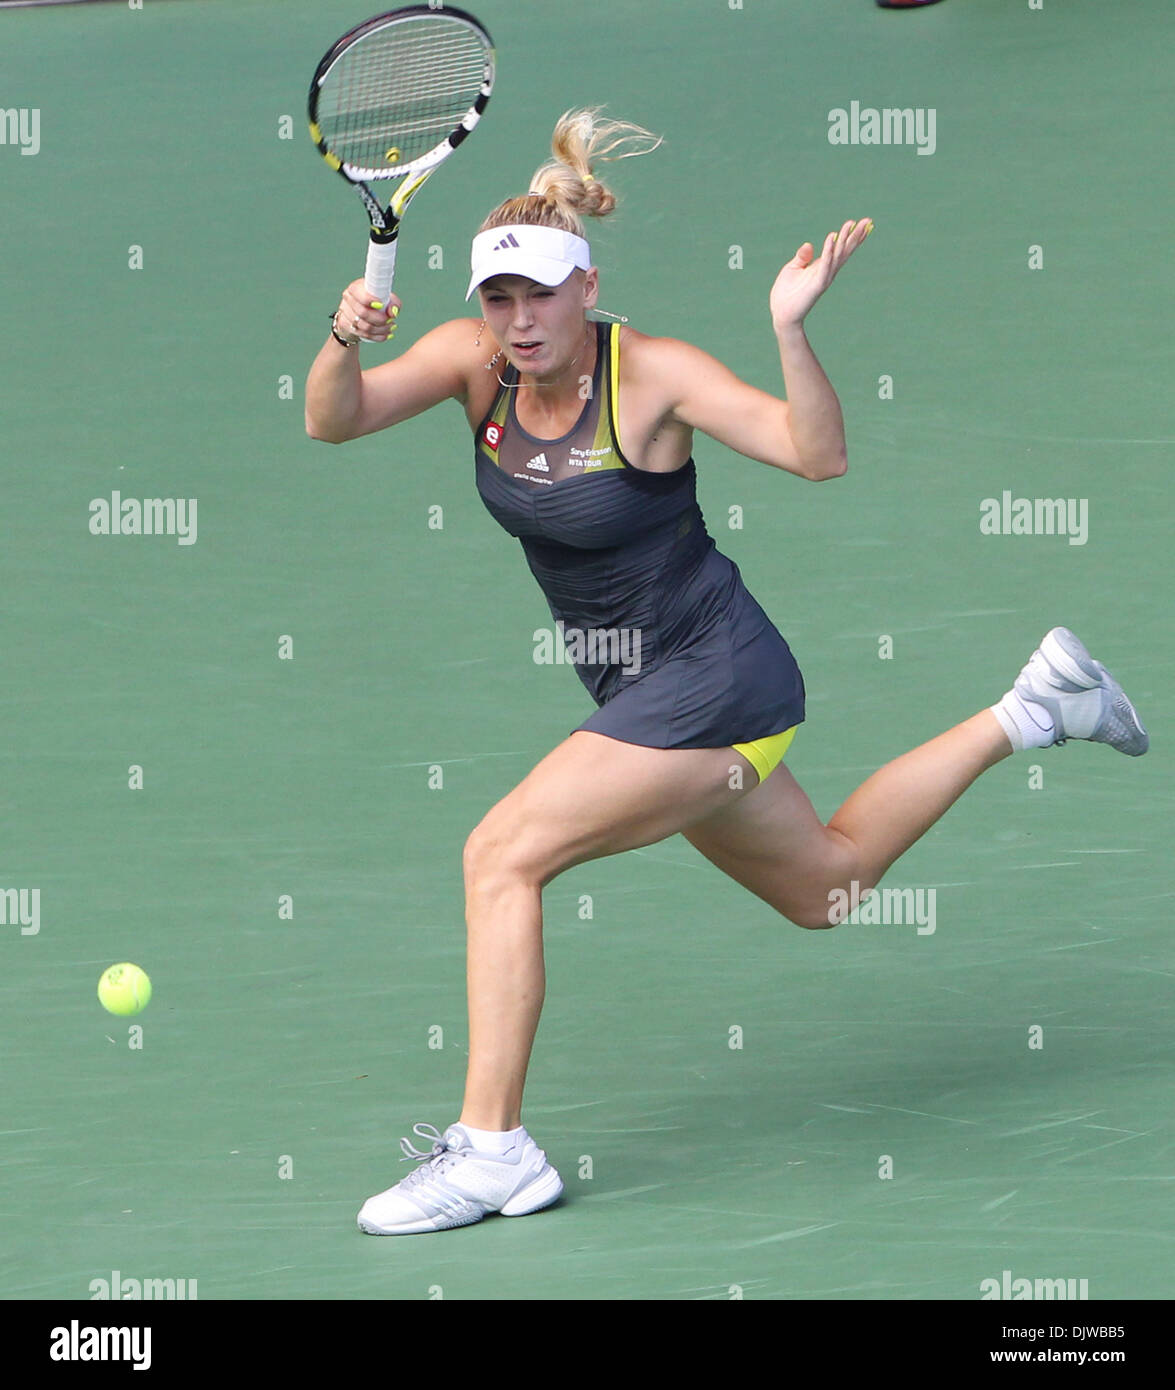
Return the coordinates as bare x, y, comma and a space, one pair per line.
698, 695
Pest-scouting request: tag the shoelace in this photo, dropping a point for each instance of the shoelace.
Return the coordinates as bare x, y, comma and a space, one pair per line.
430, 1160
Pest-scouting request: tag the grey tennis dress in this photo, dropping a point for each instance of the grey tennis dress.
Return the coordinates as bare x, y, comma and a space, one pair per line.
658, 623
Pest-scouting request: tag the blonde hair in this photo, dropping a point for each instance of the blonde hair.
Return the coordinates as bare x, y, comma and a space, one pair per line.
565, 190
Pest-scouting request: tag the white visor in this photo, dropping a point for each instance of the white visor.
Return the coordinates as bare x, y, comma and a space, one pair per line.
544, 254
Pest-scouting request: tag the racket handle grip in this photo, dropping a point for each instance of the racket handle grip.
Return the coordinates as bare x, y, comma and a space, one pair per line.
381, 269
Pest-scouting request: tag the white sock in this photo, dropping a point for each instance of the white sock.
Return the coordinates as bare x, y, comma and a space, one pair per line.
1027, 724
494, 1141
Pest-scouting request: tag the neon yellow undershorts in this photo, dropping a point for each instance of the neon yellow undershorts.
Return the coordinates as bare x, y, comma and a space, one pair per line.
765, 754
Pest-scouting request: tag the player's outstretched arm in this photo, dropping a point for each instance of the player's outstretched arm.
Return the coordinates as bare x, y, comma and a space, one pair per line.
814, 414
803, 434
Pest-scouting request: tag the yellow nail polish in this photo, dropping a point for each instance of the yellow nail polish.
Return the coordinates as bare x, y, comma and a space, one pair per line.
394, 310
375, 304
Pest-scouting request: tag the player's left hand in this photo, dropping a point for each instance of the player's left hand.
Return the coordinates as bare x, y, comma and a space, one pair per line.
803, 280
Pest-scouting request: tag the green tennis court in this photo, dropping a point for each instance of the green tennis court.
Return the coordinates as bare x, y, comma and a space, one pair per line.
245, 753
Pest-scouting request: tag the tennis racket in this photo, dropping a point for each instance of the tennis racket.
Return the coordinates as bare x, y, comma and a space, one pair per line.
392, 99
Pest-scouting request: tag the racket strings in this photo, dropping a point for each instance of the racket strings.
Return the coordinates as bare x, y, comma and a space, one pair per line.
396, 94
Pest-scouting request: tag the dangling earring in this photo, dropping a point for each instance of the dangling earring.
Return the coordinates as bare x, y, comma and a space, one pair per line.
480, 331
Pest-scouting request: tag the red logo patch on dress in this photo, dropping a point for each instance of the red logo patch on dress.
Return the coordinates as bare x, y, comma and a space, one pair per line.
492, 436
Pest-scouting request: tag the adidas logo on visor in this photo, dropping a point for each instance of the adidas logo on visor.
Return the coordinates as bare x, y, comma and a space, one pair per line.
506, 243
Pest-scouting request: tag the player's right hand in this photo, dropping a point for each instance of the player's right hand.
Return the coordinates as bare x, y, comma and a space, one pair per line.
359, 318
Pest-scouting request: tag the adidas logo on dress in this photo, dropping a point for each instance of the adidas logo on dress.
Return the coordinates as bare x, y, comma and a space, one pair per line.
539, 463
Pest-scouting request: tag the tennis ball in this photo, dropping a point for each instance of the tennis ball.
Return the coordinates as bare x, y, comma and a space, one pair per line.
124, 989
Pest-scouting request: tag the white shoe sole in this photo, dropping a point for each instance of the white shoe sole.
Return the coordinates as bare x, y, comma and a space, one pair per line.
536, 1195
1118, 724
546, 1189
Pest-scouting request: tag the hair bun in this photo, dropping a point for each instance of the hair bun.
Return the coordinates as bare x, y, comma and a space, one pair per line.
564, 190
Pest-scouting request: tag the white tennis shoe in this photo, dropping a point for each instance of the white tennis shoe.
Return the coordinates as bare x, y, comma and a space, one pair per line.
455, 1185
1063, 686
